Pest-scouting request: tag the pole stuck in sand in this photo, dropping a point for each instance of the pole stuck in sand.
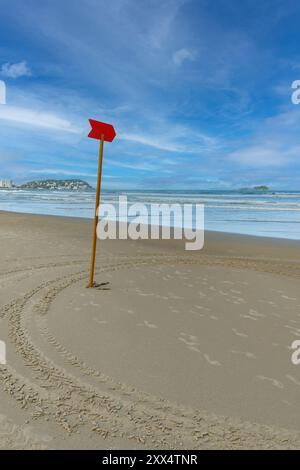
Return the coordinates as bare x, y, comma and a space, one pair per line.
103, 132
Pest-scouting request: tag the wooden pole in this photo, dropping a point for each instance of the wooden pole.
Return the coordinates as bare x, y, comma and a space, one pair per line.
94, 244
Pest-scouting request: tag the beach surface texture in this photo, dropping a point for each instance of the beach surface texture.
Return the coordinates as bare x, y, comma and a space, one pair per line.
173, 349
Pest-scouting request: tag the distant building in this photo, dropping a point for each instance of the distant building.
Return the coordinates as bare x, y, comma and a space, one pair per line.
6, 184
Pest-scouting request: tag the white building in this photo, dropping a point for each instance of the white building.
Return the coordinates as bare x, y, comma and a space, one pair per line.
6, 184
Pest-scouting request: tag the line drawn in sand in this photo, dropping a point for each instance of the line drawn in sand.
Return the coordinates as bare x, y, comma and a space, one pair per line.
2, 353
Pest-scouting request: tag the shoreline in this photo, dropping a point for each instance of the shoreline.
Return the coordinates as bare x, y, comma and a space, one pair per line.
279, 240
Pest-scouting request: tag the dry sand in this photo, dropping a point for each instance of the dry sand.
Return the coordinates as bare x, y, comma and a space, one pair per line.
174, 350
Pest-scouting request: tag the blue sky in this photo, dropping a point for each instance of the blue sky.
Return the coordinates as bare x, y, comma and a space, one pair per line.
199, 91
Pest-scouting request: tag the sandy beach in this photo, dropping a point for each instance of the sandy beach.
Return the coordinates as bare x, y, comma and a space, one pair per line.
174, 349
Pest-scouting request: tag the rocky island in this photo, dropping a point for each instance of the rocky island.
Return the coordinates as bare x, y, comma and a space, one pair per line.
261, 188
58, 185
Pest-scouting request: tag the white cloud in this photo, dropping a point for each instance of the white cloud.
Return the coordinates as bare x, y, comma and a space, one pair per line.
2, 92
36, 118
56, 172
19, 69
161, 28
183, 54
275, 144
179, 140
263, 156
138, 166
151, 141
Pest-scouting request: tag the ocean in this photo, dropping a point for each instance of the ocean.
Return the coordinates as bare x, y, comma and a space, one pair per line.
271, 214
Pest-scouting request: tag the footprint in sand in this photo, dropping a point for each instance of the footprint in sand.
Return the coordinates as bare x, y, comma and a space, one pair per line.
200, 307
192, 344
239, 333
211, 361
190, 337
194, 348
131, 312
288, 298
174, 297
174, 310
221, 292
202, 294
239, 300
292, 379
249, 317
255, 313
249, 355
274, 382
101, 322
147, 324
190, 340
295, 331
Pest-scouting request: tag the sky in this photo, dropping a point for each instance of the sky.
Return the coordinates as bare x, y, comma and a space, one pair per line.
199, 92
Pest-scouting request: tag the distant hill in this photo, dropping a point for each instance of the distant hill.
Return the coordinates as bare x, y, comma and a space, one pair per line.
256, 188
66, 185
261, 188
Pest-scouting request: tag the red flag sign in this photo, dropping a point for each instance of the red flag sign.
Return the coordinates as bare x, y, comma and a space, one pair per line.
101, 128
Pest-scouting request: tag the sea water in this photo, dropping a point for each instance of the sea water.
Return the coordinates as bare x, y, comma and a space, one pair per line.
270, 213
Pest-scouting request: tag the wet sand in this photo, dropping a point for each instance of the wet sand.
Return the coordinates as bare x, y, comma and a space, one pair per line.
175, 349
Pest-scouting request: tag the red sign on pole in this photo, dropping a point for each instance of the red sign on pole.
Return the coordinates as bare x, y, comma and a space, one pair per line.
103, 132
101, 128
